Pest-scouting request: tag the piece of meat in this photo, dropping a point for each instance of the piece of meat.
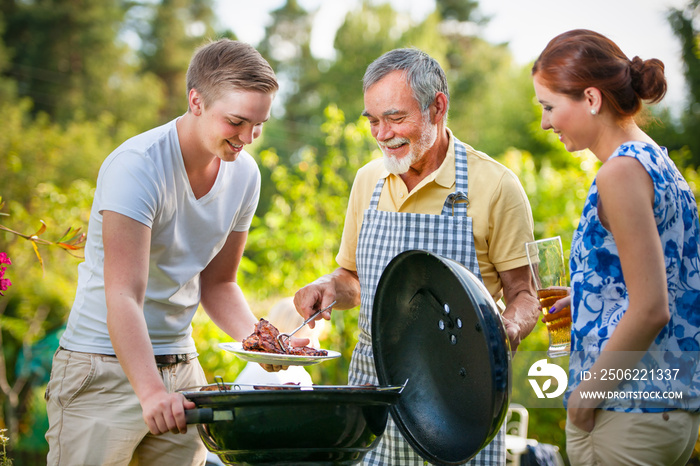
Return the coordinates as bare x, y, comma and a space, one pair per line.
264, 340
306, 351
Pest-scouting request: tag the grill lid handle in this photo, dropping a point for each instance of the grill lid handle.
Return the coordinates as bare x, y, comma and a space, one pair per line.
206, 415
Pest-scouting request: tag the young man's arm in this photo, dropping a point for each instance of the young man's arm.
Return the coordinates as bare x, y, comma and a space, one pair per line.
222, 299
126, 249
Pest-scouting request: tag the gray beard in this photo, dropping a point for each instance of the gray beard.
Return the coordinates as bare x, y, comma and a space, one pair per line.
399, 166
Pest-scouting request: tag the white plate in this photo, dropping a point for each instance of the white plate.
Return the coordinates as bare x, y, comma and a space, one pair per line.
276, 359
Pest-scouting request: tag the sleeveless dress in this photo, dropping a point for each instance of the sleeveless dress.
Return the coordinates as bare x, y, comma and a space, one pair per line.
599, 292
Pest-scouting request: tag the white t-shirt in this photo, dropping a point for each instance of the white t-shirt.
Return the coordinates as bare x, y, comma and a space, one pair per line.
145, 179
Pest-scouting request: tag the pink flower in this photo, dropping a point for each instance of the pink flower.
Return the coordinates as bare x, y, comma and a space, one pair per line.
4, 282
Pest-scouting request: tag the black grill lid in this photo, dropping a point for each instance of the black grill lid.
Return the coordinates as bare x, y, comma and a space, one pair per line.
435, 324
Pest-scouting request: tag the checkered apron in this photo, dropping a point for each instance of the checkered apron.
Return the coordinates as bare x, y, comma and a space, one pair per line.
383, 236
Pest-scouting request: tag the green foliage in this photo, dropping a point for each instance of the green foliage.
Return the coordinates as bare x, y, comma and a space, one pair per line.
66, 58
36, 150
93, 73
177, 28
296, 239
4, 460
214, 361
47, 173
459, 10
556, 194
53, 285
556, 188
368, 32
684, 22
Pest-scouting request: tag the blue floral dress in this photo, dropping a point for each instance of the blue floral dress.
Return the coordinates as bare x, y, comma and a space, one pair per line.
599, 294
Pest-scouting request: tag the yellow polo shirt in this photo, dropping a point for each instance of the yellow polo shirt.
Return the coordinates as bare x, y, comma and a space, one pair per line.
500, 211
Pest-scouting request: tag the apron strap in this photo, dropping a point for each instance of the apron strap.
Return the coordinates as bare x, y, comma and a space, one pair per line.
374, 201
458, 202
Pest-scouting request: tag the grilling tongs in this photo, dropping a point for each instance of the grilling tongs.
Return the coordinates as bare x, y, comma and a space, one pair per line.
283, 338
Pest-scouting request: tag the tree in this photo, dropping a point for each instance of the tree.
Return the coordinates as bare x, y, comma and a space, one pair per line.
286, 46
491, 97
458, 10
177, 27
66, 57
686, 140
8, 88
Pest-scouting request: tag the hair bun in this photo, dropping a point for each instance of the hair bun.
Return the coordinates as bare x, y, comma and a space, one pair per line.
637, 65
647, 79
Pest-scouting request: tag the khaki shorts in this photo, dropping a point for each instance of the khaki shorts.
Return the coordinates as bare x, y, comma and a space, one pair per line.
663, 439
96, 419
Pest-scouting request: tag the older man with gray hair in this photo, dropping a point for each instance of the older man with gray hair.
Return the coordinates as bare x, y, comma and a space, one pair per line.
429, 176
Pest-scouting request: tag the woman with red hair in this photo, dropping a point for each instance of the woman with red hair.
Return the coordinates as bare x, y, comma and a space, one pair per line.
635, 262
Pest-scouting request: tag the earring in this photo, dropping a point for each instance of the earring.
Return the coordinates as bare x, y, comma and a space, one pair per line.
593, 111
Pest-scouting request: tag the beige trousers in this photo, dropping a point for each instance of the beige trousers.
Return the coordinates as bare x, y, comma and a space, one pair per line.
653, 439
96, 419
